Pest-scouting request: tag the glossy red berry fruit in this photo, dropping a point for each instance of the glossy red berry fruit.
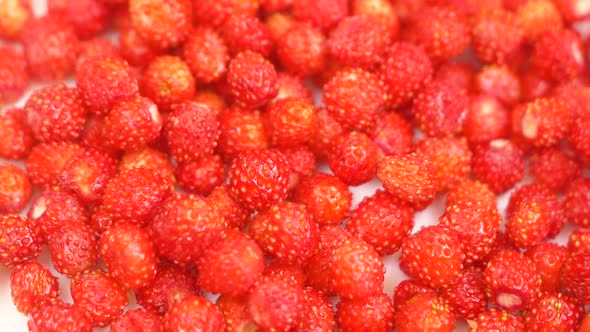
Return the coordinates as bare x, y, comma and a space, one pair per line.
163, 24
499, 164
138, 320
30, 284
73, 249
371, 314
171, 284
353, 158
13, 73
252, 79
576, 201
15, 189
439, 109
549, 259
56, 315
17, 139
193, 312
425, 312
167, 80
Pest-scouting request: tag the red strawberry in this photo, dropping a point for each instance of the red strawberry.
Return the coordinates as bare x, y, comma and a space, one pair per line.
14, 78
73, 249
380, 10
370, 314
138, 320
392, 133
493, 320
215, 12
425, 312
579, 240
512, 280
206, 54
163, 24
554, 168
59, 316
558, 55
278, 269
487, 119
325, 197
471, 190
96, 47
235, 312
302, 49
184, 226
526, 199
292, 87
232, 212
193, 313
500, 82
496, 35
575, 276
499, 164
291, 122
201, 176
87, 17
133, 48
31, 284
166, 81
15, 189
407, 289
317, 314
439, 109
327, 129
15, 15
585, 324
243, 33
302, 163
100, 296
576, 201
17, 139
466, 294
553, 312
231, 265
461, 75
353, 158
324, 14
542, 122
579, 137
149, 158
47, 160
286, 231
252, 79
537, 17
450, 157
241, 130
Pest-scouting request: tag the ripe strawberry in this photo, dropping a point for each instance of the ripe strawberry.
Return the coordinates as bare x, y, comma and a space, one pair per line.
576, 200
302, 163
206, 54
259, 179
15, 189
451, 158
439, 109
87, 173
14, 78
291, 87
193, 313
243, 33
54, 209
575, 276
235, 312
324, 14
167, 80
278, 269
458, 74
392, 133
87, 17
370, 314
162, 24
473, 191
325, 197
434, 256
73, 249
14, 16
171, 284
493, 320
240, 131
554, 168
134, 195
215, 12
383, 221
407, 289
354, 97
278, 23
302, 49
579, 137
17, 139
184, 226
96, 47
210, 98
543, 122
149, 158
134, 49
100, 296
252, 79
558, 55
102, 81
317, 312
499, 164
92, 136
512, 280
487, 119
405, 71
500, 82
466, 294
549, 259
496, 35
55, 315
410, 177
291, 122
425, 312
381, 10
579, 240
31, 284
49, 33
276, 303
356, 269
286, 231
585, 324
192, 131
47, 160
201, 176
327, 129
536, 17
232, 212
231, 265
553, 312
353, 158
138, 320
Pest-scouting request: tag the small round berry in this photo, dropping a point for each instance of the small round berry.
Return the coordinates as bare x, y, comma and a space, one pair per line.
487, 119
14, 78
501, 82
466, 294
252, 79
18, 241
392, 133
15, 189
162, 23
425, 312
353, 158
558, 55
201, 176
167, 80
536, 17
149, 158
542, 122
325, 14
55, 315
495, 319
87, 17
206, 54
380, 10
137, 320
579, 138
325, 197
553, 312
47, 160
439, 109
30, 284
96, 47
302, 50
73, 249
576, 201
317, 313
499, 164
451, 157
496, 35
291, 122
14, 15
243, 33
133, 48
549, 259
240, 131
235, 215
371, 314
193, 313
215, 12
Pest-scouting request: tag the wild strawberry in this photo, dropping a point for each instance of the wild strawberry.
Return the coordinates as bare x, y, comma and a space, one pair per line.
302, 50
554, 168
451, 158
243, 33
324, 14
579, 240
206, 54
49, 33
327, 129
405, 70
576, 202
392, 133
18, 241
410, 177
585, 324
192, 131
201, 176
317, 314
231, 265
163, 24
233, 213
171, 284
476, 223
259, 179
354, 97
370, 314
30, 284
425, 312
14, 16
15, 189
512, 280
291, 122
278, 23
47, 160
54, 209
138, 320
213, 100
542, 122
55, 315
575, 276
380, 10
184, 226
100, 296
167, 80
240, 131
353, 158
193, 312
17, 139
87, 17
558, 55
356, 269
487, 119
534, 86
14, 78
102, 81
214, 13
291, 87
496, 35
73, 249
579, 138
499, 164
471, 191
536, 17
500, 82
553, 312
96, 47
407, 289
235, 312
252, 79
434, 256
149, 158
129, 255
325, 197
458, 74
549, 259
275, 303
466, 294
496, 320
358, 42
382, 221
286, 231
278, 269
302, 163
440, 109
134, 49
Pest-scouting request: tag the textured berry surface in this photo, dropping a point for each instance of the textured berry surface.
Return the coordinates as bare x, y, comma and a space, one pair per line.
162, 23
171, 284
30, 285
13, 73
194, 312
425, 312
167, 80
15, 189
497, 320
553, 312
17, 138
576, 202
138, 320
73, 249
252, 79
371, 314
59, 316
353, 158
206, 54
439, 109
499, 164
466, 294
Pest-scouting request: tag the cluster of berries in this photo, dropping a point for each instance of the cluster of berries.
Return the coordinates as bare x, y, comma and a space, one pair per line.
184, 162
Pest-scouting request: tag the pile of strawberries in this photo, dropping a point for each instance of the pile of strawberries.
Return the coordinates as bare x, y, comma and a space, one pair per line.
184, 161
